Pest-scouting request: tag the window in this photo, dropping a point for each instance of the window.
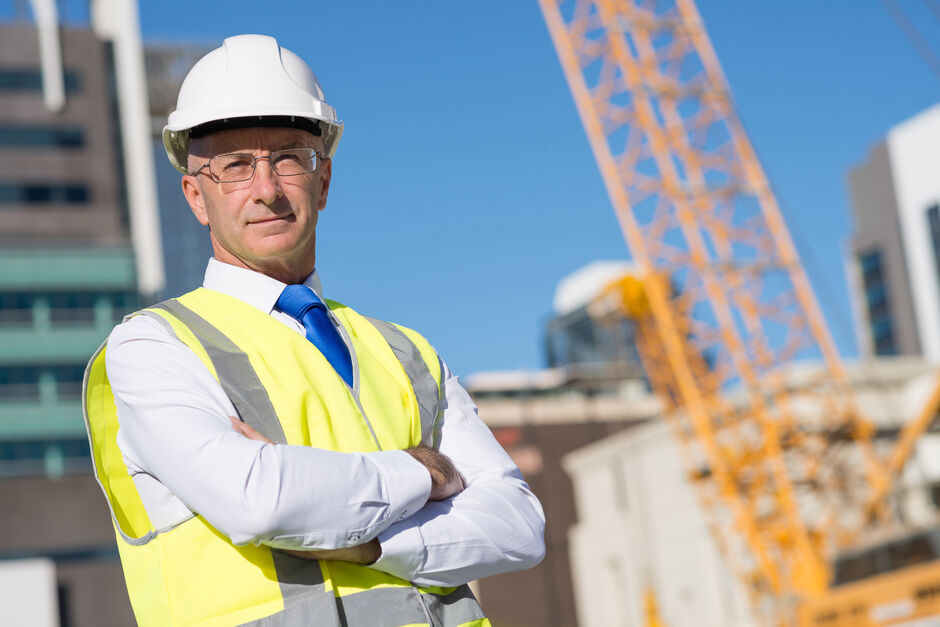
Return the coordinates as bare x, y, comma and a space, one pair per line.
877, 302
22, 383
72, 307
69, 380
50, 457
933, 225
43, 193
575, 338
16, 308
30, 79
18, 383
41, 136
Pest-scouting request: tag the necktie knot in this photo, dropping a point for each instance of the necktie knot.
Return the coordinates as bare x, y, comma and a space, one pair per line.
297, 300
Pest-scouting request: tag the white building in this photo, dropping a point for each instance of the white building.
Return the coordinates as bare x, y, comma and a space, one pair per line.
640, 526
894, 264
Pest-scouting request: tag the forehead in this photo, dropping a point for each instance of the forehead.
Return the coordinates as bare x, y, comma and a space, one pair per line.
252, 139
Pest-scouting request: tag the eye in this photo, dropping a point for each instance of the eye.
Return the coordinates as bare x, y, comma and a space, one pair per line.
286, 157
293, 161
229, 162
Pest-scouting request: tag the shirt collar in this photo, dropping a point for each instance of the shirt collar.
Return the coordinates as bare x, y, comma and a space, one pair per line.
258, 290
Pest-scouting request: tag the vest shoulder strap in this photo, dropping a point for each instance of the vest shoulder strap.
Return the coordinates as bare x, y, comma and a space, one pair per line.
233, 370
428, 385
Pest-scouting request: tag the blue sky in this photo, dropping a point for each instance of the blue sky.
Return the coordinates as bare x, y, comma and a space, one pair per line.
464, 187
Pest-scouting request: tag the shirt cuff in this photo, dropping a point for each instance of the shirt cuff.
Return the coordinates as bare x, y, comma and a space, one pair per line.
407, 483
403, 550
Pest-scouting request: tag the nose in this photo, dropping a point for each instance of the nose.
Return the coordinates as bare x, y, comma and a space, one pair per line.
265, 185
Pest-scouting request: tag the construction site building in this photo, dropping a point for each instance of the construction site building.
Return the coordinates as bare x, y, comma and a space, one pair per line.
894, 261
641, 528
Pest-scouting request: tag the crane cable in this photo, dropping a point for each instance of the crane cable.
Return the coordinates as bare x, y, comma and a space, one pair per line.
913, 35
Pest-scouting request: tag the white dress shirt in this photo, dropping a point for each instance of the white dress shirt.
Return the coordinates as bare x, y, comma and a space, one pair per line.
180, 448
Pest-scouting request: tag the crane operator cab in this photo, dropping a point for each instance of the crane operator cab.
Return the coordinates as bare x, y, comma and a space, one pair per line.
894, 582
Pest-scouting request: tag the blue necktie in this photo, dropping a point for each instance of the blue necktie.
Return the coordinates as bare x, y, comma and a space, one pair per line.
301, 303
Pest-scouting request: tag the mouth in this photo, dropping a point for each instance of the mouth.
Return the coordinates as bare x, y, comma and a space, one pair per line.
274, 218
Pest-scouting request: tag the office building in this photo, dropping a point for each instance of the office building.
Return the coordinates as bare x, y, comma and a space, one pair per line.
67, 270
78, 250
894, 264
185, 243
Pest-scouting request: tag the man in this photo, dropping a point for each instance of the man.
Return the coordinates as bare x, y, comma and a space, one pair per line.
270, 459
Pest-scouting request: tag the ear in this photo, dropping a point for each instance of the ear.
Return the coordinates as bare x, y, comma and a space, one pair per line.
325, 171
194, 196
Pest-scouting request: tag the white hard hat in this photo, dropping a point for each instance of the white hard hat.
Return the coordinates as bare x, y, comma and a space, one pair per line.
247, 78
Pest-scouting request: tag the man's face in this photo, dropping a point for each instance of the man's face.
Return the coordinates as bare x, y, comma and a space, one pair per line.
268, 223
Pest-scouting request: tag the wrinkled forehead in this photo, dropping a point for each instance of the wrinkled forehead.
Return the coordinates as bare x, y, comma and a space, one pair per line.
253, 139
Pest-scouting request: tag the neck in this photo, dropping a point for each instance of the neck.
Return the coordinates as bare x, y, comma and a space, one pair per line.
289, 272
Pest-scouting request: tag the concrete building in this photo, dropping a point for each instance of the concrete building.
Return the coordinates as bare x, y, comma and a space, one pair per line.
640, 526
539, 417
640, 529
894, 264
67, 269
77, 248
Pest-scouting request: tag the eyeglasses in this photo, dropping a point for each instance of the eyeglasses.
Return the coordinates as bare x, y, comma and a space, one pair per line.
234, 167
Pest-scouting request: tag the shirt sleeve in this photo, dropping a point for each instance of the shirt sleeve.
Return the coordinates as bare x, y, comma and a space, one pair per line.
175, 432
494, 526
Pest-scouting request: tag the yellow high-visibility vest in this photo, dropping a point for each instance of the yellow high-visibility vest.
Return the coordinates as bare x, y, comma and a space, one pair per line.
189, 573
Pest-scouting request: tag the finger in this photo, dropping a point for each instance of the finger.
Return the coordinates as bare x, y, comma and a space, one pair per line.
238, 425
247, 431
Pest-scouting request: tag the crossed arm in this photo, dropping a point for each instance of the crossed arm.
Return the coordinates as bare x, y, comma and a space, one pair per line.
388, 509
445, 483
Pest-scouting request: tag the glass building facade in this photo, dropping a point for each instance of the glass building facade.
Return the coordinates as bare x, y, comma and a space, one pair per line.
596, 356
67, 271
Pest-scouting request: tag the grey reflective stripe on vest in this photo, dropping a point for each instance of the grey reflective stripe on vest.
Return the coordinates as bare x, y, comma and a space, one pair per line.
236, 374
379, 607
426, 389
456, 608
407, 606
306, 599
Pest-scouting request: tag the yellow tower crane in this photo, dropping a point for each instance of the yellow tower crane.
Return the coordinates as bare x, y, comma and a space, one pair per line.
728, 326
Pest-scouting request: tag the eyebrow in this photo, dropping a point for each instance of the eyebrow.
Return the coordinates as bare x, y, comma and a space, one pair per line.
287, 145
293, 143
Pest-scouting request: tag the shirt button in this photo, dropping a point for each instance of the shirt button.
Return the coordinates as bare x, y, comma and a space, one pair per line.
354, 537
403, 516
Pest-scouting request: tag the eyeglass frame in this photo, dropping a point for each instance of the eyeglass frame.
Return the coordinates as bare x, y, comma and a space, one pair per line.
254, 164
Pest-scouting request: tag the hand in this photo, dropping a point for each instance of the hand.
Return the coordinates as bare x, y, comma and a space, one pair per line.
366, 553
247, 431
446, 480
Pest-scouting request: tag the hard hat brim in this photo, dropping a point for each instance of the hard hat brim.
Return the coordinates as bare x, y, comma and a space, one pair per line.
176, 142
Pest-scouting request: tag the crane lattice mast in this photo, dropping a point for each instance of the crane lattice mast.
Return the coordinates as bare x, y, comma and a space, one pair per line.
731, 324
